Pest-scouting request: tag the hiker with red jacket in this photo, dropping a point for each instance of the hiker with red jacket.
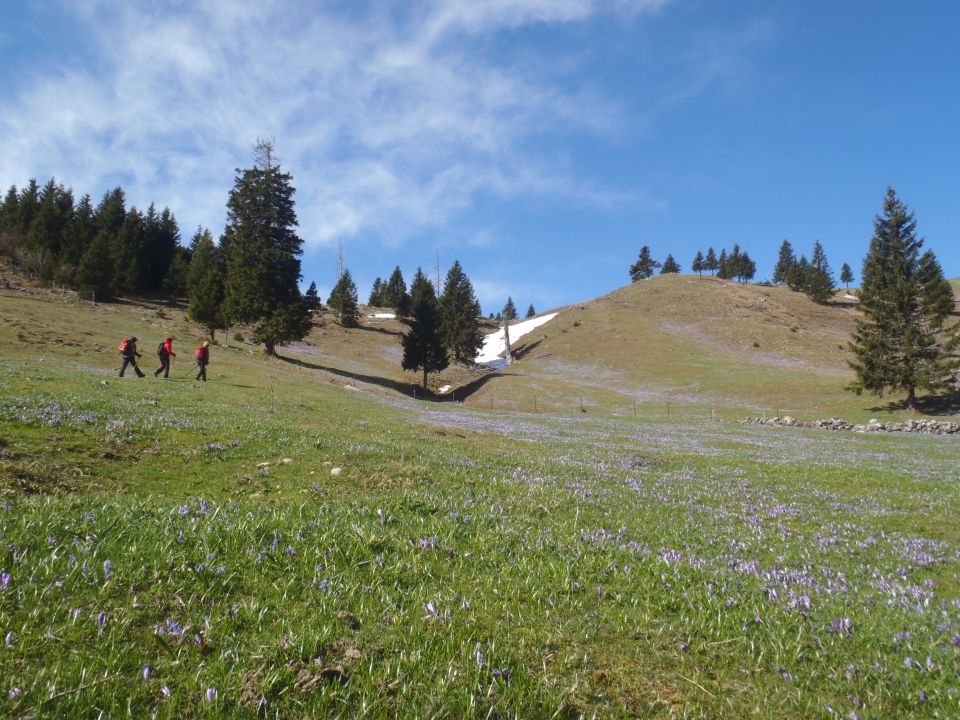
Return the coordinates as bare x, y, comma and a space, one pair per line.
128, 350
165, 352
202, 355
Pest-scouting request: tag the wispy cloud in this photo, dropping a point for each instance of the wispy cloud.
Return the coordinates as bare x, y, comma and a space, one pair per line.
392, 119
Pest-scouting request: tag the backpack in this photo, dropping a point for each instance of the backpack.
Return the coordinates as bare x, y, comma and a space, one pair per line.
123, 345
161, 350
200, 353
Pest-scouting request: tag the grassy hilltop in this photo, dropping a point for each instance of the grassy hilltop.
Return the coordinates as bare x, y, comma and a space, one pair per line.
300, 538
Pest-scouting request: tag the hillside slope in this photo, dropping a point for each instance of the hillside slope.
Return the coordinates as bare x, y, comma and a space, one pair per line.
688, 341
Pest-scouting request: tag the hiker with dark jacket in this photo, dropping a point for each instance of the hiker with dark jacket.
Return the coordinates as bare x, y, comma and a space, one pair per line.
203, 359
165, 352
128, 350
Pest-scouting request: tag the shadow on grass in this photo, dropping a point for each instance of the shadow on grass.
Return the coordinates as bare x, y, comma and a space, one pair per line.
464, 392
946, 404
409, 389
382, 331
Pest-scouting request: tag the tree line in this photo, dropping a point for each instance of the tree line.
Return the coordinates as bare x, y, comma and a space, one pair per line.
107, 249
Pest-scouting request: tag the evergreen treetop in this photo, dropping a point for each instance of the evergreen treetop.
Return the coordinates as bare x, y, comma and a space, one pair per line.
785, 261
460, 316
669, 266
644, 266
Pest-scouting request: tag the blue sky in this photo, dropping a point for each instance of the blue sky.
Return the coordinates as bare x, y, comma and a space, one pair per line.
540, 142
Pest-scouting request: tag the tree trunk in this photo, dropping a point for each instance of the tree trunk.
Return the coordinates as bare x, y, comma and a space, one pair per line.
269, 349
912, 398
424, 377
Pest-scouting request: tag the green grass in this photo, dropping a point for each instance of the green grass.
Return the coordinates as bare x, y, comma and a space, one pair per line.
280, 546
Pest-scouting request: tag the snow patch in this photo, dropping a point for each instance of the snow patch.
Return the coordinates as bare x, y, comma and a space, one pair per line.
494, 344
383, 316
848, 296
445, 389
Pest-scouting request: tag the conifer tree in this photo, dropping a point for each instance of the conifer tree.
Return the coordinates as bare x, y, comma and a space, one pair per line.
45, 236
644, 265
263, 253
176, 283
499, 317
723, 265
460, 316
846, 275
710, 262
28, 203
818, 282
746, 267
510, 310
10, 211
785, 261
96, 270
376, 293
699, 264
902, 342
343, 299
206, 281
531, 312
423, 343
797, 277
670, 266
128, 253
395, 291
312, 298
78, 234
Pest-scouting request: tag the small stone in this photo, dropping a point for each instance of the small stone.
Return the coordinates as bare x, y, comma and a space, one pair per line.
336, 471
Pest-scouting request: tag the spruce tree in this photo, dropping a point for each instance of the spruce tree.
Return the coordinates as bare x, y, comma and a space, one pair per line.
797, 277
510, 310
28, 204
723, 265
423, 343
785, 261
45, 236
95, 272
263, 253
710, 261
10, 211
846, 275
644, 265
531, 312
670, 266
395, 290
312, 298
206, 280
746, 267
176, 283
460, 316
818, 283
376, 293
78, 234
128, 253
699, 264
343, 299
902, 342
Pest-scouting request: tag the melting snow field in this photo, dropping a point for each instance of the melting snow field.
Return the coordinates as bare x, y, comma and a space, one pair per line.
383, 316
494, 344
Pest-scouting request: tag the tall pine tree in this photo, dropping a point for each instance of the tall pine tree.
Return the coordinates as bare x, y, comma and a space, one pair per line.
510, 311
343, 299
263, 253
846, 275
699, 264
819, 285
423, 343
902, 342
460, 316
785, 261
710, 261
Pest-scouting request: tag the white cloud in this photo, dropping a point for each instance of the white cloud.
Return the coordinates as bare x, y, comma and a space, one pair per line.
388, 122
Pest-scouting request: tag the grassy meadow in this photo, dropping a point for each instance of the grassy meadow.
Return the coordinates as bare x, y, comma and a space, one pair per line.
301, 539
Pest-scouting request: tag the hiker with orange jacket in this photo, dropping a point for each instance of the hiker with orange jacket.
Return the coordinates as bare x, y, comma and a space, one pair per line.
165, 352
128, 350
202, 355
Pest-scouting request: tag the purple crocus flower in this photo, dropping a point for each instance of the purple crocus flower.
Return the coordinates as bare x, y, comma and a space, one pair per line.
4, 580
147, 669
14, 694
107, 568
211, 695
9, 639
101, 622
